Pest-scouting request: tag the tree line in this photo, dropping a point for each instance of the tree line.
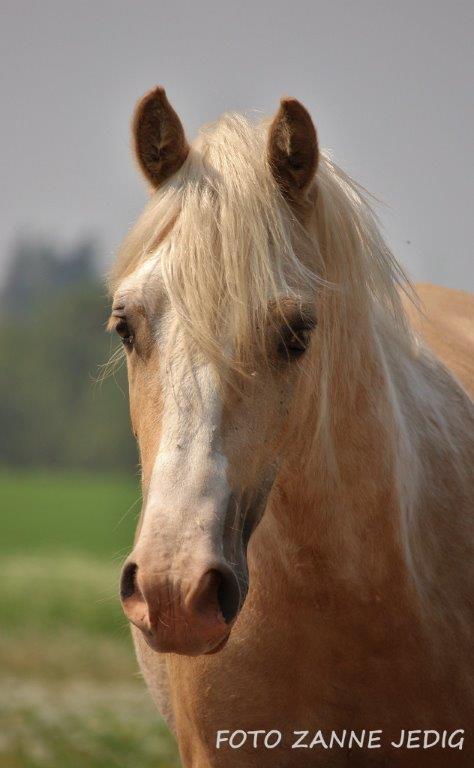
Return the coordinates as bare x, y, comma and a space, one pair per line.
54, 409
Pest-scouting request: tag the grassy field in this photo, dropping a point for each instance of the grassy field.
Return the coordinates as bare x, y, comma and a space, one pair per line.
70, 693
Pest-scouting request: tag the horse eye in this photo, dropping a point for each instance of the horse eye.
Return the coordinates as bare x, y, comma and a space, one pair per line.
123, 330
294, 340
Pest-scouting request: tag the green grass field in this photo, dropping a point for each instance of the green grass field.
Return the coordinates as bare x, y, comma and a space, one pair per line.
70, 693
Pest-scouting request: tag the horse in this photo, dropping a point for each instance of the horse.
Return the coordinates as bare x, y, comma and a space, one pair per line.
303, 562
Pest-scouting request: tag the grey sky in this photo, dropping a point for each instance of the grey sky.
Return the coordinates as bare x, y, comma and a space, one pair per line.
389, 84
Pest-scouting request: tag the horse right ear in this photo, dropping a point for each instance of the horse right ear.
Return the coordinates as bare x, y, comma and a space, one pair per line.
158, 136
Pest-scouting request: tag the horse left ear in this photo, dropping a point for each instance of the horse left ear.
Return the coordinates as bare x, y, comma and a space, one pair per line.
158, 135
293, 149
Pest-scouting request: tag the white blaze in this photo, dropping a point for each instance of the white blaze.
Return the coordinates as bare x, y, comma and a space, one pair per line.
188, 488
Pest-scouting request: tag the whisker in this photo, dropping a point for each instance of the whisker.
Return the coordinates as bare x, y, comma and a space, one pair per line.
111, 367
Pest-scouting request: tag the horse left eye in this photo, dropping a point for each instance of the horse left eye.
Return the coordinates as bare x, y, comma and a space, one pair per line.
294, 341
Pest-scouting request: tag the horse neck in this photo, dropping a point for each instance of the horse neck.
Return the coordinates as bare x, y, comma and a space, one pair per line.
346, 518
383, 523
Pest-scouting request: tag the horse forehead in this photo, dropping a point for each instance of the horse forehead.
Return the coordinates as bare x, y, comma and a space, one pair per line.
145, 275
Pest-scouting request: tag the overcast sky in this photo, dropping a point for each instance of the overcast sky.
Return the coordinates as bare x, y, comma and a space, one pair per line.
388, 82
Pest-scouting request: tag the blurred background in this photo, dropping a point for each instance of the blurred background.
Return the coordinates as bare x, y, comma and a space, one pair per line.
388, 84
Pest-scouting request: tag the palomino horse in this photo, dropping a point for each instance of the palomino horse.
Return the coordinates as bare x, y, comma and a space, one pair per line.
303, 562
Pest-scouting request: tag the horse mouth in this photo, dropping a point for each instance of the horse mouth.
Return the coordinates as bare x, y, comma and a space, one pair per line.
220, 645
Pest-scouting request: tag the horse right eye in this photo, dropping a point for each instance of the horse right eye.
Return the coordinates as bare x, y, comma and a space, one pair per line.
295, 338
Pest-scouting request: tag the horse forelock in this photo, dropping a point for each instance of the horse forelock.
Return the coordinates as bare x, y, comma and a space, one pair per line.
228, 244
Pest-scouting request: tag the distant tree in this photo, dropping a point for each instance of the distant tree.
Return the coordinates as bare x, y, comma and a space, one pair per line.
39, 270
52, 342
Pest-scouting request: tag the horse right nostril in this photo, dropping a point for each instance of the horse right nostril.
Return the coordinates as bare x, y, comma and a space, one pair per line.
128, 584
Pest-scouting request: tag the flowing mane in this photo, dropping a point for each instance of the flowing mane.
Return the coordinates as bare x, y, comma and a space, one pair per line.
226, 245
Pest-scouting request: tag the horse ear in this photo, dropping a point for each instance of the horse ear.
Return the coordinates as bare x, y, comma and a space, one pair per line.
293, 149
158, 136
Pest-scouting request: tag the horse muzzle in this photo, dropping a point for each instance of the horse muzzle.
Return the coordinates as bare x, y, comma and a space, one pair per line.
190, 611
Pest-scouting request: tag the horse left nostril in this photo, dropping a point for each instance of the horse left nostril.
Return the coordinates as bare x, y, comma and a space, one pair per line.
128, 581
228, 596
216, 589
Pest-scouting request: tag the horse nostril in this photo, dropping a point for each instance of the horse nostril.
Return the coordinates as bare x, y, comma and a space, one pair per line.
217, 588
228, 596
128, 581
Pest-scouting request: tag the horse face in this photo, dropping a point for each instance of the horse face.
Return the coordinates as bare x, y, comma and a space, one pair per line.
210, 448
210, 441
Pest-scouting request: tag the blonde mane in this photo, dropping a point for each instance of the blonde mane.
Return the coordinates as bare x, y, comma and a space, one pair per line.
227, 246
227, 243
